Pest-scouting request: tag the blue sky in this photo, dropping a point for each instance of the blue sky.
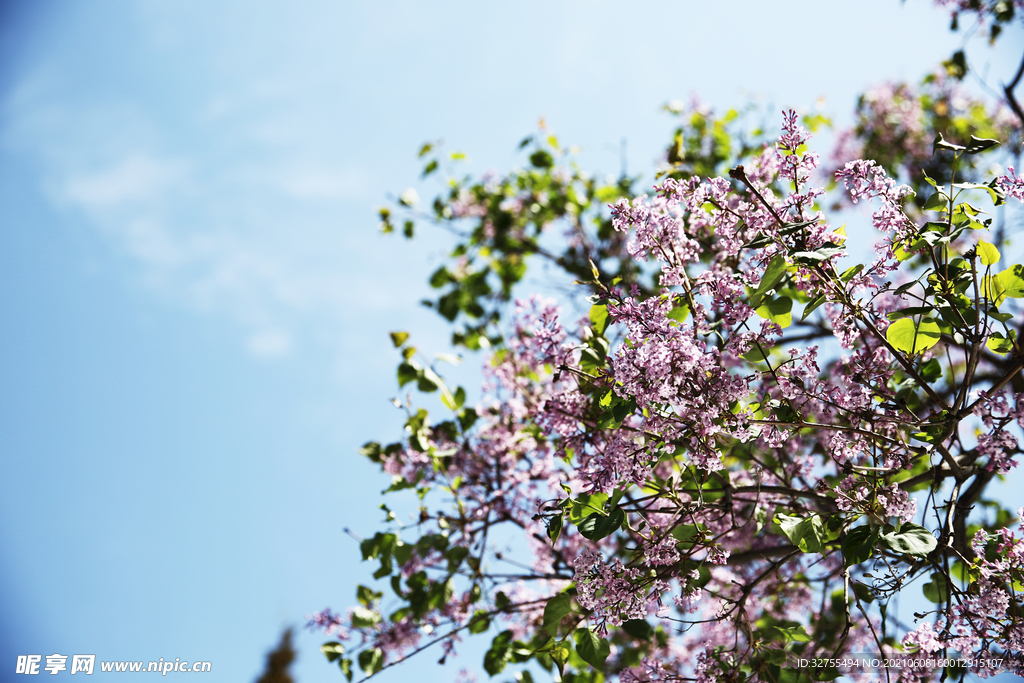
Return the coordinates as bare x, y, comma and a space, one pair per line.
195, 298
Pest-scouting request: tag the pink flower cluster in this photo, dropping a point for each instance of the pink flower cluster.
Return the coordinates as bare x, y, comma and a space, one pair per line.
865, 179
1011, 184
979, 624
998, 445
613, 592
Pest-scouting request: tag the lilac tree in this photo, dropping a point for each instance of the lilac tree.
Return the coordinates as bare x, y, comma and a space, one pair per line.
896, 124
748, 444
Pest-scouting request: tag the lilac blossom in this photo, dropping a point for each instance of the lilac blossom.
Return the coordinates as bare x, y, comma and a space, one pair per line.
1011, 184
648, 451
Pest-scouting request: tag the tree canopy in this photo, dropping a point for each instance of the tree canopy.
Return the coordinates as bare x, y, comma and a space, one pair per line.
750, 438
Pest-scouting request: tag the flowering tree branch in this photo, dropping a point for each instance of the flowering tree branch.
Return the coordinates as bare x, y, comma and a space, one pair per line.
745, 444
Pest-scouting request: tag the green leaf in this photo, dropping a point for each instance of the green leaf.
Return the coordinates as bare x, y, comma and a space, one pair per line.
937, 202
679, 313
978, 145
402, 553
992, 288
933, 432
909, 338
370, 661
910, 310
773, 273
932, 370
1012, 281
555, 527
1001, 317
591, 360
364, 618
806, 533
379, 544
639, 629
1000, 344
367, 596
760, 518
756, 355
956, 66
587, 503
778, 310
811, 258
908, 249
398, 338
452, 401
688, 534
428, 381
795, 634
407, 372
346, 667
622, 409
440, 278
332, 650
542, 159
598, 525
499, 654
813, 305
995, 194
858, 544
455, 557
850, 272
599, 317
559, 655
911, 539
592, 649
941, 143
762, 240
988, 253
554, 611
936, 590
480, 622
372, 450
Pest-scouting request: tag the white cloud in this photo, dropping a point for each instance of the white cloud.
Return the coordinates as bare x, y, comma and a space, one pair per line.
132, 179
150, 242
270, 344
319, 183
213, 217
